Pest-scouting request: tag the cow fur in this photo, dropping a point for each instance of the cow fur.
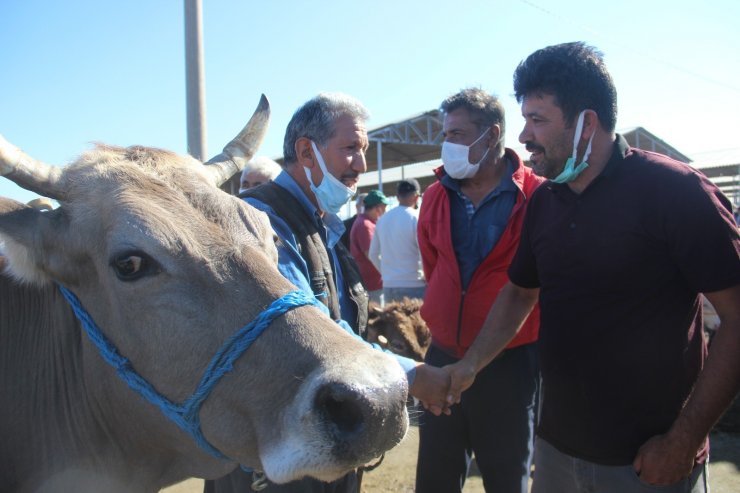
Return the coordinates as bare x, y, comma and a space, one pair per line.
305, 399
399, 327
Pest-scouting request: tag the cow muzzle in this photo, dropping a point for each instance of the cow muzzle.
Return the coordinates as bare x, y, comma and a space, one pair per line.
342, 418
361, 424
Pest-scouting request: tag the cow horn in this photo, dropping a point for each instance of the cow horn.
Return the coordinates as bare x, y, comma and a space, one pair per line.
28, 172
242, 148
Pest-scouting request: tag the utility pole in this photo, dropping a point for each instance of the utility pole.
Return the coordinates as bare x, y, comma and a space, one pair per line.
195, 80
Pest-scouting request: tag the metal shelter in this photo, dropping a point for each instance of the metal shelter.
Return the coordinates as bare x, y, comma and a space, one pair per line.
410, 148
396, 146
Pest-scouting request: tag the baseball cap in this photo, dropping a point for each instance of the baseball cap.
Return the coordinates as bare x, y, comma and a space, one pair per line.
375, 197
408, 185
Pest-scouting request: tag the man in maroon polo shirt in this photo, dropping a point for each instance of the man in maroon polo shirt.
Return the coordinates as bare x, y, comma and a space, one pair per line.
617, 247
361, 236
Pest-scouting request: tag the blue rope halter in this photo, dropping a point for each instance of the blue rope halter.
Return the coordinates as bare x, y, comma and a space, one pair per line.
187, 414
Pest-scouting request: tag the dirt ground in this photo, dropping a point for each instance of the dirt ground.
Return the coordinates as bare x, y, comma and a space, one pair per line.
396, 473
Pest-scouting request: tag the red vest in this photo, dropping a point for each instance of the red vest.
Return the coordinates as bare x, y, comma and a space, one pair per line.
455, 317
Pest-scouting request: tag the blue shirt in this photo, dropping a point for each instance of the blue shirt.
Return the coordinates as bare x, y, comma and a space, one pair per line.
294, 268
476, 231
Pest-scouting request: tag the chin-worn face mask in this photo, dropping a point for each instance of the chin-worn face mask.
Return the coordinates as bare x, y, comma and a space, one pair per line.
331, 194
570, 170
455, 158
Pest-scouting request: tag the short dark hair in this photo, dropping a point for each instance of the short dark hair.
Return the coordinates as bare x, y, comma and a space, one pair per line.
407, 187
575, 74
484, 108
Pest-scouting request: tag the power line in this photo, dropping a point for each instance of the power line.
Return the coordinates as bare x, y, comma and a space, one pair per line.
640, 52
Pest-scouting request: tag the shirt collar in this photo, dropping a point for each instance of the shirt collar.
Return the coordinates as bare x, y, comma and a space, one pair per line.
621, 148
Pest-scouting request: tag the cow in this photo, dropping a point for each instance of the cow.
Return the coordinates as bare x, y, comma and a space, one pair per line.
129, 316
398, 327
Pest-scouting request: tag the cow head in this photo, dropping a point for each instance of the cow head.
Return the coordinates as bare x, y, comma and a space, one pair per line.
399, 327
169, 267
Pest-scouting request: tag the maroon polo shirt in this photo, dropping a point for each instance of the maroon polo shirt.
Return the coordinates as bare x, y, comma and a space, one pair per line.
360, 237
619, 269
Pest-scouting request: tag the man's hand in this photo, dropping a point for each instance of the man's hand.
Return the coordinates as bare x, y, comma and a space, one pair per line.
462, 375
664, 460
431, 386
667, 459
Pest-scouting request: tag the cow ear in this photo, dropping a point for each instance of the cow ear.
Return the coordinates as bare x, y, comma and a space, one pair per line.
22, 233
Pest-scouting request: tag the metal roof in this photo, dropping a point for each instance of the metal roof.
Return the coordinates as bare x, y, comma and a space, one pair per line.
718, 158
640, 138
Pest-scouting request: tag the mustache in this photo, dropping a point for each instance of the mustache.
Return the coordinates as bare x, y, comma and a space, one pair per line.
350, 176
532, 147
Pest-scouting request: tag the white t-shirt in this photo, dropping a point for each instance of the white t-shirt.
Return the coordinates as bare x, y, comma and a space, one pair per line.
394, 249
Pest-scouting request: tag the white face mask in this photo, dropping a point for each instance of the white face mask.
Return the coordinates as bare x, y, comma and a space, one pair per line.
331, 194
455, 158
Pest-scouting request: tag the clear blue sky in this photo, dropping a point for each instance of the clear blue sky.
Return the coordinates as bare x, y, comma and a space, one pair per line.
83, 71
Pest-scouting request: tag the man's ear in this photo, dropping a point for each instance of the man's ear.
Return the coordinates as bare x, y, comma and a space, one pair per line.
304, 152
495, 130
590, 124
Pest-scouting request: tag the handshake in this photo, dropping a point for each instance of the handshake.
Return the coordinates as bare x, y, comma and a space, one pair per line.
439, 388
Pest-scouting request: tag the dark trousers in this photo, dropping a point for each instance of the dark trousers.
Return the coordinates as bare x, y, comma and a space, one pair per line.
494, 420
239, 481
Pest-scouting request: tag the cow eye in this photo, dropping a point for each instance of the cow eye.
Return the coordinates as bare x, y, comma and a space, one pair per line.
133, 265
398, 347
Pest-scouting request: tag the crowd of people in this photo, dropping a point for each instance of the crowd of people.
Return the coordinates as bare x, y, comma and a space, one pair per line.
563, 297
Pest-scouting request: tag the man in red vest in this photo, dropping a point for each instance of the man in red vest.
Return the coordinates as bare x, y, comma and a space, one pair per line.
469, 227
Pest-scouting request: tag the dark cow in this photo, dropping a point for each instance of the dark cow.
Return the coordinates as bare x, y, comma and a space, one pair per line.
399, 327
173, 279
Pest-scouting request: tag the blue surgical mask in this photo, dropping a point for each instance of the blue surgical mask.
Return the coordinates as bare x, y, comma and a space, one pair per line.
570, 170
331, 194
456, 160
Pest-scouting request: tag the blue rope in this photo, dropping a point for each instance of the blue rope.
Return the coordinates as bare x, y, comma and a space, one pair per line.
187, 414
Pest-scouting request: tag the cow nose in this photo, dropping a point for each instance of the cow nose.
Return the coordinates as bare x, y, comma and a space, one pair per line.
341, 408
362, 423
